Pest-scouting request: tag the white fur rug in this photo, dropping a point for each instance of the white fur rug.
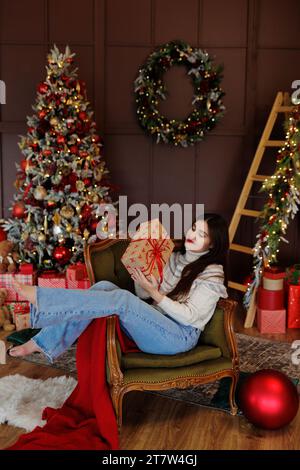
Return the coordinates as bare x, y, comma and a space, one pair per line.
22, 400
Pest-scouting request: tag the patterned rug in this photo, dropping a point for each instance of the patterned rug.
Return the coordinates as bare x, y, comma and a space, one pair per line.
255, 354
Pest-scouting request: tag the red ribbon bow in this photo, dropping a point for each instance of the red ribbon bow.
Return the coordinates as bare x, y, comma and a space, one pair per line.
154, 256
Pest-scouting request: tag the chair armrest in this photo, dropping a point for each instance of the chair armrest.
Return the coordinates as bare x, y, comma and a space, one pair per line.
115, 374
229, 307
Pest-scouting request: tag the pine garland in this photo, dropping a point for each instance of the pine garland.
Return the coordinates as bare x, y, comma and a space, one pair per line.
283, 189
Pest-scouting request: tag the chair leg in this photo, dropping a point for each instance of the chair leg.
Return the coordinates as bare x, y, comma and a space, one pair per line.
232, 402
117, 398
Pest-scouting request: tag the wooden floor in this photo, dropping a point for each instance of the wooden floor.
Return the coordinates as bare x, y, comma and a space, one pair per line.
153, 423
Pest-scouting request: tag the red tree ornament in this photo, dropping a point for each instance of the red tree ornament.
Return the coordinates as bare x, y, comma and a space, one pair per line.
60, 139
269, 399
62, 254
42, 87
42, 114
19, 210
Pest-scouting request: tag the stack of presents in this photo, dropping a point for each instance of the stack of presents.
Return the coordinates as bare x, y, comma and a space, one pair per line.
15, 309
278, 300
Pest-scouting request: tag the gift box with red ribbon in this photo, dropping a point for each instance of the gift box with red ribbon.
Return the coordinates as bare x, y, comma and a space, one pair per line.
293, 313
52, 278
149, 254
17, 308
81, 284
76, 272
26, 268
271, 321
7, 281
273, 277
270, 299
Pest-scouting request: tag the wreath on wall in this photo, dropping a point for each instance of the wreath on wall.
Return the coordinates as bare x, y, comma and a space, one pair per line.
207, 101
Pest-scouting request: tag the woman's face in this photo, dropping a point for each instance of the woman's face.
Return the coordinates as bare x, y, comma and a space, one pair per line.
197, 237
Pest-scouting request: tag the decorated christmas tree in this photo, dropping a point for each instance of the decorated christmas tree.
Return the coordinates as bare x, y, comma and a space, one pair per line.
62, 181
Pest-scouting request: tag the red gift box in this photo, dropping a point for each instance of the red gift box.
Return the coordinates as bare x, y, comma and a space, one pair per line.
81, 284
19, 308
6, 281
270, 299
28, 279
52, 279
26, 268
293, 306
271, 321
274, 273
76, 272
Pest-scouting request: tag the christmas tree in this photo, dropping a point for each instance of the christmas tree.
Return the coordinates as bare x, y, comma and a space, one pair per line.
62, 180
282, 204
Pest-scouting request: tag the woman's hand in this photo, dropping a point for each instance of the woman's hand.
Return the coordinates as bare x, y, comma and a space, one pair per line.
149, 286
139, 277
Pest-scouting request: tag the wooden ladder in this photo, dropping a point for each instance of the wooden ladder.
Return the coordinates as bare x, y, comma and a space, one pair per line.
280, 105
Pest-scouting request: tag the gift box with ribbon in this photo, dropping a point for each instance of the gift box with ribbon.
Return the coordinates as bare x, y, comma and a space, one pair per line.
149, 250
293, 306
81, 284
18, 308
7, 281
76, 272
270, 299
26, 268
52, 278
273, 278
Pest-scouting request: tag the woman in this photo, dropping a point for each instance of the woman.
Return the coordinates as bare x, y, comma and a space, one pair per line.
193, 282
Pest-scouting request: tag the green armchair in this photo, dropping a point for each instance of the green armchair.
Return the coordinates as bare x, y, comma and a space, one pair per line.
214, 357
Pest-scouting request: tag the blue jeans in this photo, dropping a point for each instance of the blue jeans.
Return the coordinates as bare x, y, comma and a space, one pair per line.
63, 314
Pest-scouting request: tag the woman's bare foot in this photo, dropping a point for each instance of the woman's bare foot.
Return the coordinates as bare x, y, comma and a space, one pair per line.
29, 292
25, 349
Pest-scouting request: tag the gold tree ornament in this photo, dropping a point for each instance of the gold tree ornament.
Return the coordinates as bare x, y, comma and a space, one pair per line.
67, 212
40, 193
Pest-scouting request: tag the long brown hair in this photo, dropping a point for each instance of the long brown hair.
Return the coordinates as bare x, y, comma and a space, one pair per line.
218, 254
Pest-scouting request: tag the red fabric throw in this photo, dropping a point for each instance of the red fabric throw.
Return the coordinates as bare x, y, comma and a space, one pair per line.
87, 420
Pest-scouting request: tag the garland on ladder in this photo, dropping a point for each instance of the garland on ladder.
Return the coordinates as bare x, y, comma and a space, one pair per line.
283, 190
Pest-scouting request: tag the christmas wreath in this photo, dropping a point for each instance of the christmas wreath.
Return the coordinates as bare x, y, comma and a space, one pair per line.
207, 101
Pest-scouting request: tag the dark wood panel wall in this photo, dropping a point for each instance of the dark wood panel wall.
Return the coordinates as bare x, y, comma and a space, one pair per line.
257, 41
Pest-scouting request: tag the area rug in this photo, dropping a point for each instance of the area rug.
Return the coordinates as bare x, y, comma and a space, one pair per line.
255, 353
22, 399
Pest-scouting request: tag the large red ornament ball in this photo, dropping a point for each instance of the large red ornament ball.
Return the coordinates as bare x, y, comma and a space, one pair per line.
18, 210
62, 254
269, 399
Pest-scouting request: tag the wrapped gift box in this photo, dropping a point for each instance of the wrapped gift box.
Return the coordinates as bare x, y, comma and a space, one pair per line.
81, 284
76, 272
14, 307
271, 321
148, 254
273, 278
293, 313
270, 299
7, 281
22, 321
52, 279
21, 315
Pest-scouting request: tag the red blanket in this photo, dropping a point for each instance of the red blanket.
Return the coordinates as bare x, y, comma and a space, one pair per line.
86, 421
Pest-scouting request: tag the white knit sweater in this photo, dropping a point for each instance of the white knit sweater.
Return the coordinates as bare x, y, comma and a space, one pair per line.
198, 306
